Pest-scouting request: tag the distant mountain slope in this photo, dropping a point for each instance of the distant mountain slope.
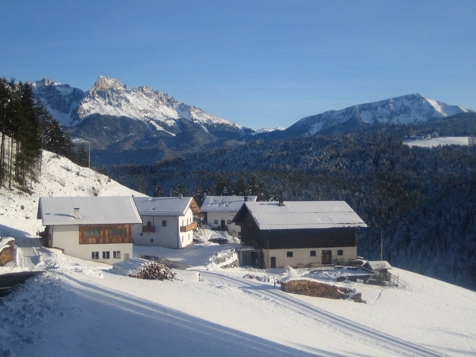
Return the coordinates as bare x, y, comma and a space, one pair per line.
110, 97
61, 100
159, 110
126, 125
142, 125
407, 109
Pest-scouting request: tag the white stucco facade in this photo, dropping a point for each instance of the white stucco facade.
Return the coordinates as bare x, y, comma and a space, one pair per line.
308, 257
164, 230
66, 238
220, 211
218, 220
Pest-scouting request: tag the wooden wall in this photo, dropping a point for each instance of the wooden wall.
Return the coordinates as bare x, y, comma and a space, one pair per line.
105, 234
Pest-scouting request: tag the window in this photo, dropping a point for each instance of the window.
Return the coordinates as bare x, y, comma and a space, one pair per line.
95, 255
340, 252
92, 233
216, 221
116, 254
152, 240
106, 255
149, 224
228, 222
164, 223
118, 232
313, 253
289, 254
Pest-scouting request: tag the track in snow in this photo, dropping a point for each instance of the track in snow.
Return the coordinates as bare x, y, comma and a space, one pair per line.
343, 325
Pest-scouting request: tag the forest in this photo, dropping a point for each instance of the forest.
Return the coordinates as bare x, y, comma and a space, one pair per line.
27, 128
420, 202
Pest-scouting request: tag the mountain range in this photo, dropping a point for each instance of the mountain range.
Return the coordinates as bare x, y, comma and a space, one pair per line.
143, 125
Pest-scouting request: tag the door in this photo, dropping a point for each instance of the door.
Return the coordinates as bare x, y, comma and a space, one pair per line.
327, 257
223, 224
273, 262
254, 259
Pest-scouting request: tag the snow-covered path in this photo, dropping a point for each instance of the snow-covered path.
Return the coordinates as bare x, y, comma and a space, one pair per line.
29, 253
384, 343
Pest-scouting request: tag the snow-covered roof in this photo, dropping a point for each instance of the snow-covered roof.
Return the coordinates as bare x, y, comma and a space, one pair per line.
303, 215
379, 265
60, 211
163, 206
225, 203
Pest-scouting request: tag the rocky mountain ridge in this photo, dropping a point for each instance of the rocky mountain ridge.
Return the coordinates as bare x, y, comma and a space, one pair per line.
120, 123
110, 97
408, 109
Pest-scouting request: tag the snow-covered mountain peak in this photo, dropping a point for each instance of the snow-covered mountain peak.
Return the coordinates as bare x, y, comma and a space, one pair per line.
405, 109
60, 99
110, 97
106, 83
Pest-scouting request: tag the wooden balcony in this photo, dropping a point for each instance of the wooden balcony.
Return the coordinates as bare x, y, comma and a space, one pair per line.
150, 229
188, 227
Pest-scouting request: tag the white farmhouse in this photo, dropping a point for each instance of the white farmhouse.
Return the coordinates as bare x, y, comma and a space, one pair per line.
90, 228
166, 221
220, 211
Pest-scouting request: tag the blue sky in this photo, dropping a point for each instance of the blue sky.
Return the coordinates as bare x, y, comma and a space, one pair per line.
259, 63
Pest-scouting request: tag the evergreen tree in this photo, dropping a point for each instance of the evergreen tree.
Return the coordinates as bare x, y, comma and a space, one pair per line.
180, 190
158, 191
54, 138
82, 156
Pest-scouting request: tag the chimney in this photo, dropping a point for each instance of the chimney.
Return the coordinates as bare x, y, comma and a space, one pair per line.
76, 213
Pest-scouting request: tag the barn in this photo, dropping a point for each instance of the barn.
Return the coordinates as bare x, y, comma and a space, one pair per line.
298, 233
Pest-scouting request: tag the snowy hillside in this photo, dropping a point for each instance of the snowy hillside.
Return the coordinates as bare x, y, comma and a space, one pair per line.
432, 142
81, 308
407, 109
60, 177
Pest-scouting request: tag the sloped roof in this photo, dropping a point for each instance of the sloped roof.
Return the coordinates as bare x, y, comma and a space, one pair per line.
225, 203
59, 211
165, 206
301, 215
379, 265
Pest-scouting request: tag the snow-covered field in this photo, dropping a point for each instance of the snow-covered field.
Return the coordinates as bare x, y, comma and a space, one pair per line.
431, 142
81, 308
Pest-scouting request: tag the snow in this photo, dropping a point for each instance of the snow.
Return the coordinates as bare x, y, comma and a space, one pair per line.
109, 96
82, 308
303, 215
432, 142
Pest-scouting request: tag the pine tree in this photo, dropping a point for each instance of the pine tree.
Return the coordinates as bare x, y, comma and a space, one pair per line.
158, 191
82, 157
